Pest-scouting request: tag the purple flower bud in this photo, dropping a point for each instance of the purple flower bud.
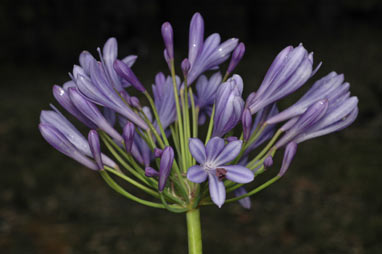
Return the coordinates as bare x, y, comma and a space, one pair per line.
246, 120
168, 38
95, 147
244, 202
63, 145
268, 162
126, 73
289, 153
237, 55
128, 136
134, 102
157, 152
196, 37
150, 172
166, 161
185, 67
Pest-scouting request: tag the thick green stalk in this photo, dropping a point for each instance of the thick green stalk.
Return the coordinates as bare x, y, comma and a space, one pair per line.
194, 232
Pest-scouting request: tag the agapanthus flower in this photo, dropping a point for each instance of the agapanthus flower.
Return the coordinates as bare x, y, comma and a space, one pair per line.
229, 106
213, 159
289, 71
206, 54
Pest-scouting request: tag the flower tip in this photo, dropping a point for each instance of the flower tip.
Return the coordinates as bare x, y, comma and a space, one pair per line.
95, 148
168, 38
268, 162
124, 71
289, 154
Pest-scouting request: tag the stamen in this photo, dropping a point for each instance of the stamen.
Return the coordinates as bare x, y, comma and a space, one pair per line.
221, 173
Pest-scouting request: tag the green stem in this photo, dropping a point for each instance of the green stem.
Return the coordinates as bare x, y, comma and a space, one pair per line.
211, 125
194, 232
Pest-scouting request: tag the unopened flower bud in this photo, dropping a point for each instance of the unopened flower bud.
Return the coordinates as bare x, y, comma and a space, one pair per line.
165, 166
95, 148
128, 136
268, 162
246, 120
185, 67
237, 55
150, 172
289, 153
168, 38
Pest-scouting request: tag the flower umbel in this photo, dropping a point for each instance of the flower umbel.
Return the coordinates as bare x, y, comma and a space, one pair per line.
161, 148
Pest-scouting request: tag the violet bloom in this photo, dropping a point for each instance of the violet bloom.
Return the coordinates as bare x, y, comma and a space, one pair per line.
166, 161
65, 128
126, 73
93, 114
289, 71
99, 90
62, 96
208, 54
229, 106
339, 115
330, 87
56, 139
163, 91
205, 94
213, 159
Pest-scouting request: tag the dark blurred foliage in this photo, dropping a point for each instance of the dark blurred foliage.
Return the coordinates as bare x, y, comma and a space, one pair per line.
328, 202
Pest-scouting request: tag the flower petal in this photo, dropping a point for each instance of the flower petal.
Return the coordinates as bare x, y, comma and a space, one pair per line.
217, 190
239, 174
230, 151
214, 146
197, 150
196, 174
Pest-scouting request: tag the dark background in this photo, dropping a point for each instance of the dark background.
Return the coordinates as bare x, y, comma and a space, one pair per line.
328, 202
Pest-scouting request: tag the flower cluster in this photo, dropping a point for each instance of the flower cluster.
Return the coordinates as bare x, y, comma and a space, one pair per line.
198, 127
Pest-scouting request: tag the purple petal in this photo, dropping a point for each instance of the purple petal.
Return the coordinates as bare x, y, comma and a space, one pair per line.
125, 72
239, 174
128, 136
168, 38
150, 172
196, 174
217, 190
197, 150
229, 153
213, 148
237, 55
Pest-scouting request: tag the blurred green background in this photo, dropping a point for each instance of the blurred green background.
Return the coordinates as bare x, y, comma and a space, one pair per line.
328, 202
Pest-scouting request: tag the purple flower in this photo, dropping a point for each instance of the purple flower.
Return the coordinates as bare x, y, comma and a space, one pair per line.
237, 55
150, 172
330, 87
213, 159
90, 110
164, 99
98, 90
66, 129
126, 73
289, 71
290, 151
56, 139
229, 106
244, 202
208, 54
62, 96
303, 123
205, 94
340, 114
165, 166
268, 162
95, 148
168, 38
